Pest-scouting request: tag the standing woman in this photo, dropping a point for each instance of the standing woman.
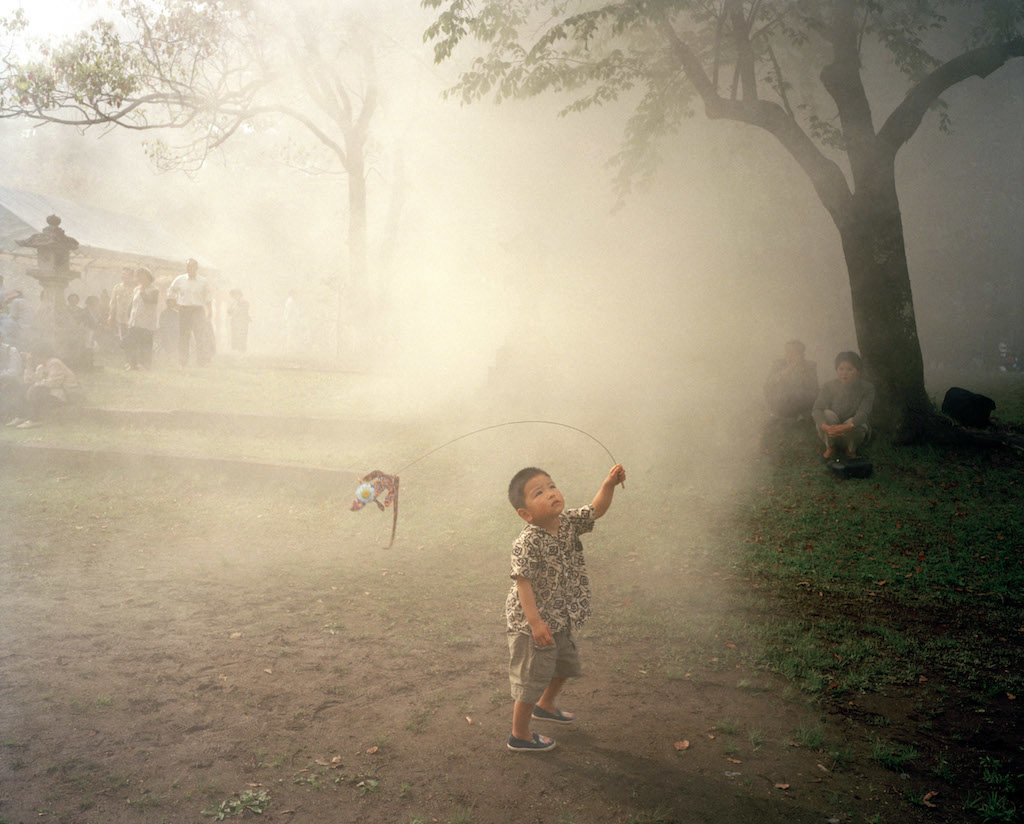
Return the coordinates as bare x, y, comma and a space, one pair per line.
142, 322
843, 407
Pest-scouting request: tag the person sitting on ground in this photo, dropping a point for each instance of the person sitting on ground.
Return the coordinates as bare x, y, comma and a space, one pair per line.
49, 383
12, 390
843, 407
792, 384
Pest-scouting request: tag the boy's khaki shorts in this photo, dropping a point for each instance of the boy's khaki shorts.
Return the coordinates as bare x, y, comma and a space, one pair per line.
531, 667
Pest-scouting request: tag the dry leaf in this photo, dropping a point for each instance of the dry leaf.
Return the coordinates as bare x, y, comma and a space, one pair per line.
682, 745
372, 750
469, 719
323, 762
782, 786
927, 800
1011, 696
711, 735
734, 760
823, 768
236, 635
268, 671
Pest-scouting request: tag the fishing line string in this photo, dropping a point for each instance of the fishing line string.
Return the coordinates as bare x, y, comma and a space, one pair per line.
498, 426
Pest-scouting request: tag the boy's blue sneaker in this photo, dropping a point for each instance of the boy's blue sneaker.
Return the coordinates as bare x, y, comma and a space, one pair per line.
538, 743
557, 716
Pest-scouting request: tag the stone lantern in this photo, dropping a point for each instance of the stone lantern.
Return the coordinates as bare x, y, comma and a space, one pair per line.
53, 253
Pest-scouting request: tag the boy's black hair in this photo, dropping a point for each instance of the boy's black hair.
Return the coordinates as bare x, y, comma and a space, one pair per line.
517, 485
851, 358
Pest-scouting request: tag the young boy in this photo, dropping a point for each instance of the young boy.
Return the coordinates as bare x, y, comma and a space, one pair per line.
549, 598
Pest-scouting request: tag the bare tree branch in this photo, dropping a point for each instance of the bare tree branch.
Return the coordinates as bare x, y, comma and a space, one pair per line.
901, 124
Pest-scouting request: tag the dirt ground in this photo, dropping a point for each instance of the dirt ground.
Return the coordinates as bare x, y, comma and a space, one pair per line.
169, 643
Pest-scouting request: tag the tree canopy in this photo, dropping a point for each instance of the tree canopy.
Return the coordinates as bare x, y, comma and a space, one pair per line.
211, 70
811, 73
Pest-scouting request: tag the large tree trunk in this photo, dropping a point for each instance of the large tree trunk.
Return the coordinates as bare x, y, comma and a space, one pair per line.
358, 294
883, 307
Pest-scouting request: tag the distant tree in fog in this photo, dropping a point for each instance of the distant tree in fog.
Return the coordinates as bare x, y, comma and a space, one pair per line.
215, 71
792, 69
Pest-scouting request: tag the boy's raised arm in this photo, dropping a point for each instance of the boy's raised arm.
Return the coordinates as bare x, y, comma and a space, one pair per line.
603, 498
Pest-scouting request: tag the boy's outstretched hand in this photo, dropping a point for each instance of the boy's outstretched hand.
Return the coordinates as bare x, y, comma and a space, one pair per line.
603, 498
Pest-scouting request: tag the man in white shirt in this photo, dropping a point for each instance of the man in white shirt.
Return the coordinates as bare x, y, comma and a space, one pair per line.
190, 294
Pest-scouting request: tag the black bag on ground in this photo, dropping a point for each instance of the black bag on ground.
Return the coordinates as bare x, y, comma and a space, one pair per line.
851, 468
968, 408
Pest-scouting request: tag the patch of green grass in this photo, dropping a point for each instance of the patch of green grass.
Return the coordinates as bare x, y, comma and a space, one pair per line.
252, 801
930, 525
368, 785
992, 807
931, 533
811, 738
659, 815
895, 757
463, 815
996, 775
728, 726
419, 719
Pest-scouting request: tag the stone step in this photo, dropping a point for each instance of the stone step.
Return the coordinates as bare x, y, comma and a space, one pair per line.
241, 421
64, 457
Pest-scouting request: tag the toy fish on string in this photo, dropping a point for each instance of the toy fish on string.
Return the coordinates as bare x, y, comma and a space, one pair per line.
382, 489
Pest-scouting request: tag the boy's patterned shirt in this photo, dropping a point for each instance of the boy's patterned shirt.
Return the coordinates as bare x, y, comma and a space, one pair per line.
555, 569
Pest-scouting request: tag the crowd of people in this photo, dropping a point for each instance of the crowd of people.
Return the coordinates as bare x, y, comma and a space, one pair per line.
35, 377
839, 409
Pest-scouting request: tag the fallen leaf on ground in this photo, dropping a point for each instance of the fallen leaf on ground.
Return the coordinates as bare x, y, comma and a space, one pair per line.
1011, 696
734, 760
269, 671
682, 745
236, 635
823, 768
372, 750
927, 800
469, 719
782, 786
